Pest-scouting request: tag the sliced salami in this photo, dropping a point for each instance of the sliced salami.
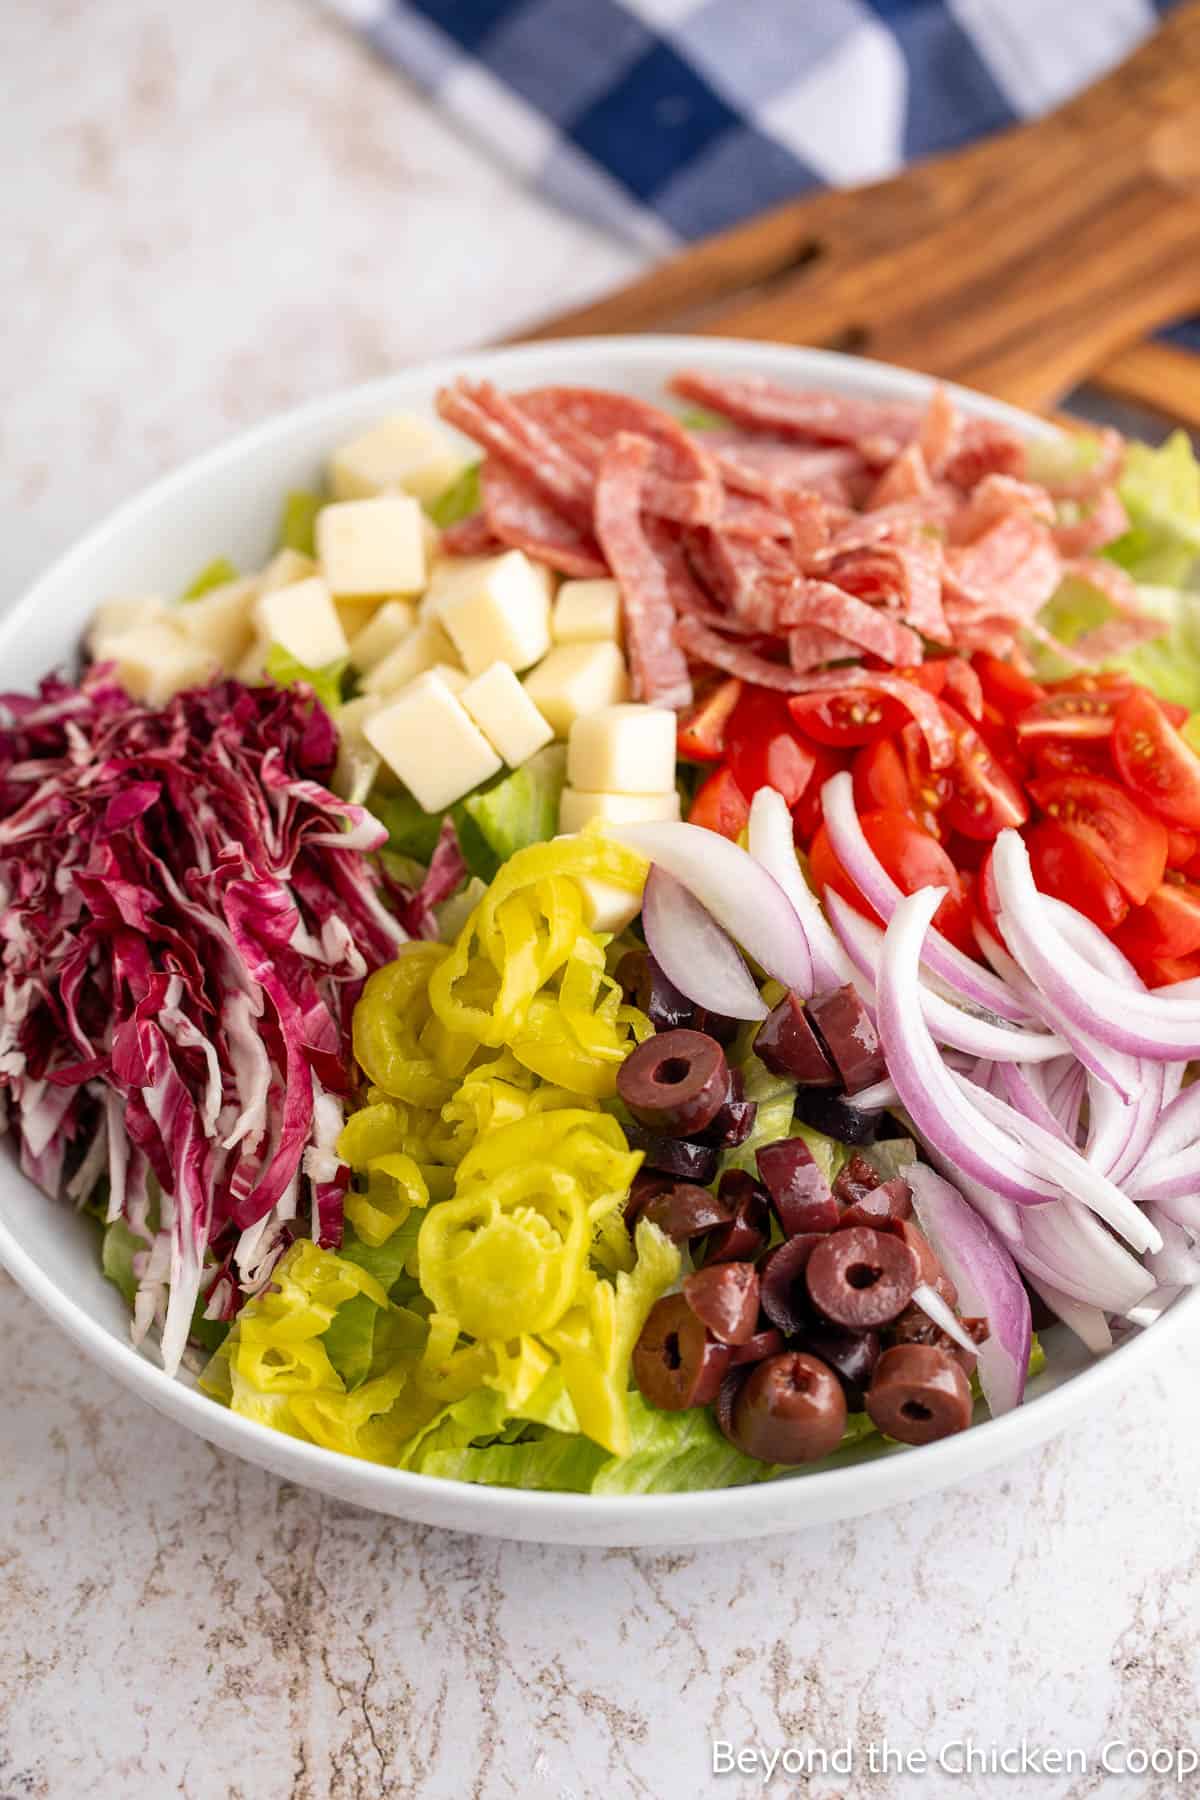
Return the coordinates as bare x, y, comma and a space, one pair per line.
869, 627
1110, 579
986, 448
904, 576
1084, 484
753, 401
994, 498
682, 482
1104, 521
657, 666
499, 427
905, 478
519, 515
811, 645
941, 431
472, 536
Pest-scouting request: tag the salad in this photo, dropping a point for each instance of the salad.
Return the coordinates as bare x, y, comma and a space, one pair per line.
647, 946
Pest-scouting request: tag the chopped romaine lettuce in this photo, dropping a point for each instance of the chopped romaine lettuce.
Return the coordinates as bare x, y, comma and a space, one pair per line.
116, 1258
699, 418
283, 669
774, 1121
298, 523
462, 498
1161, 492
412, 832
518, 809
1169, 665
213, 575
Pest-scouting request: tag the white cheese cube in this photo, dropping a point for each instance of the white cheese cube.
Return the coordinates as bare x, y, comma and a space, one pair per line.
115, 616
285, 568
357, 762
419, 651
506, 715
253, 667
302, 619
372, 546
356, 615
587, 612
431, 537
607, 907
578, 808
390, 624
426, 738
498, 611
154, 662
625, 749
450, 579
456, 679
576, 679
400, 452
221, 620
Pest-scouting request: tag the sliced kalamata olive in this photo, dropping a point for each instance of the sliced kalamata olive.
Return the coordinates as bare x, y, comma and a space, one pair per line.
646, 1183
673, 1156
854, 1180
798, 1189
891, 1200
851, 1355
791, 1409
836, 1117
748, 1231
756, 1349
783, 1291
684, 1210
646, 987
918, 1393
727, 1393
724, 1296
677, 1081
849, 1036
732, 1125
716, 1024
861, 1278
916, 1327
677, 1363
788, 1045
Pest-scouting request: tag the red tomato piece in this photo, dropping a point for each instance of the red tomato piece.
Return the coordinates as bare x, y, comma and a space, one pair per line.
1004, 687
721, 805
1065, 866
702, 727
1163, 971
1113, 681
1073, 756
1155, 762
881, 778
762, 748
1130, 843
847, 719
1070, 715
982, 798
1168, 925
1181, 847
912, 858
983, 897
806, 813
929, 675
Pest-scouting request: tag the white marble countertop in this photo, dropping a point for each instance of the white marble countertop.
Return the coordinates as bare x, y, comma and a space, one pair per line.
220, 210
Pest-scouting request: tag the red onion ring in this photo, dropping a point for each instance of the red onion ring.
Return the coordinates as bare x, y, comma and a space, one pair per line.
694, 953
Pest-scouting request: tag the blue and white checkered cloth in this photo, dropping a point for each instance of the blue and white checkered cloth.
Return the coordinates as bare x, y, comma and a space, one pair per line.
664, 120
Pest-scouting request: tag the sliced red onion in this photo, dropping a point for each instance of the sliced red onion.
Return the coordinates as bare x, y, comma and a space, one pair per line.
949, 1024
935, 1308
1171, 1182
1177, 1264
966, 978
1150, 1310
743, 899
1116, 1014
1087, 1322
1003, 1217
1071, 1249
1179, 1123
694, 953
772, 844
1020, 1093
987, 1281
877, 1096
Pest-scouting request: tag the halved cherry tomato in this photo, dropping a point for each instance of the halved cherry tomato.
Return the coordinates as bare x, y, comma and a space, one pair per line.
763, 749
1004, 687
721, 805
1071, 715
982, 797
881, 779
1181, 847
1167, 926
1110, 681
1164, 971
928, 675
806, 813
1065, 866
912, 858
702, 728
1131, 844
1155, 762
1073, 756
1001, 740
847, 719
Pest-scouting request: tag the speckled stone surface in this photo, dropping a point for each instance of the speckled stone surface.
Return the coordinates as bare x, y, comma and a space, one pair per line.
221, 210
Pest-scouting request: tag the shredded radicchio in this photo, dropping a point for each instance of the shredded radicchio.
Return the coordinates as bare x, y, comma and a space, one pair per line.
187, 916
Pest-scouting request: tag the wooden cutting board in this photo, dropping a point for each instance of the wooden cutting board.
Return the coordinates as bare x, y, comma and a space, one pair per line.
1021, 265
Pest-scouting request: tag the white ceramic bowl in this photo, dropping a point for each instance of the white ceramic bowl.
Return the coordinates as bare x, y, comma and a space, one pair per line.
227, 503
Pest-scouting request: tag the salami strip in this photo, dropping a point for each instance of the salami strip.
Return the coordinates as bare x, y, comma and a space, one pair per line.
495, 423
744, 517
753, 401
472, 536
768, 470
906, 478
1117, 637
941, 431
705, 646
658, 669
907, 577
811, 645
687, 593
1104, 472
1104, 522
986, 448
1110, 579
521, 517
994, 498
1011, 571
870, 628
682, 482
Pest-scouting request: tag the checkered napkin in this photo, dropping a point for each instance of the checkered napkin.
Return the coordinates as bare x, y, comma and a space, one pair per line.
664, 120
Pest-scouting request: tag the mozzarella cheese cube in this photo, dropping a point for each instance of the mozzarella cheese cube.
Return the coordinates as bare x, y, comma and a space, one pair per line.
154, 662
576, 679
456, 679
400, 452
357, 763
578, 808
285, 568
506, 715
390, 624
221, 620
253, 667
427, 739
419, 651
497, 611
356, 615
587, 612
450, 579
116, 616
624, 749
372, 546
607, 907
302, 620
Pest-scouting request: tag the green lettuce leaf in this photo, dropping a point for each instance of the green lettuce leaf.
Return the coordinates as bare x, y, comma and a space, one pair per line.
517, 809
774, 1121
386, 1261
116, 1258
298, 522
213, 575
699, 418
283, 669
412, 832
1168, 665
364, 1340
1161, 492
462, 498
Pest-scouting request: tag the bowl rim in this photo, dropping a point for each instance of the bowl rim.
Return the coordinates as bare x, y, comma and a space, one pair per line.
940, 1464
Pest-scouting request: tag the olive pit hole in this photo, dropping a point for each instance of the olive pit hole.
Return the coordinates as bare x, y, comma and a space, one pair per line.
673, 1071
913, 1409
671, 1353
862, 1275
